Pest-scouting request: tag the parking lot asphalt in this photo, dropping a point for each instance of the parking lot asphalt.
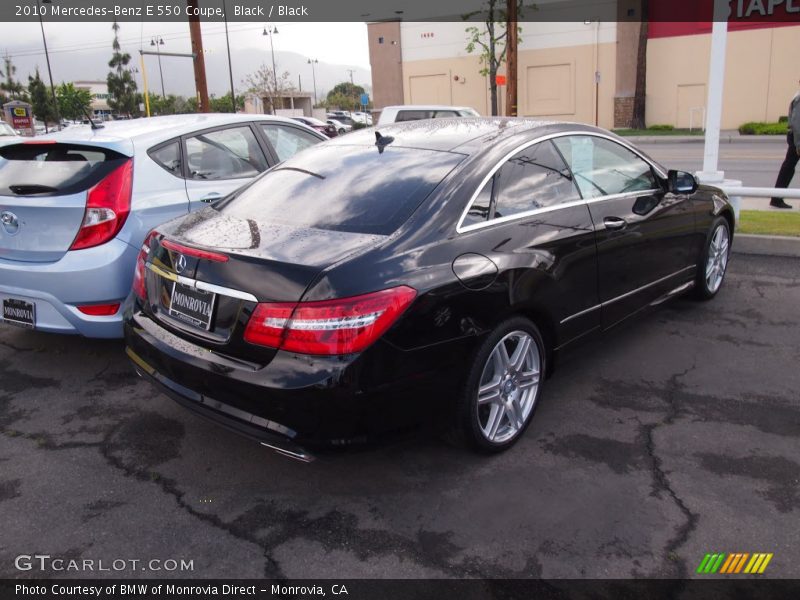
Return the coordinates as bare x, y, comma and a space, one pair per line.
674, 436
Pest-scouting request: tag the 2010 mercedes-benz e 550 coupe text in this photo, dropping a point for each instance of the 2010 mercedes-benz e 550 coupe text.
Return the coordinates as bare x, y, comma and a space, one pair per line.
428, 268
76, 205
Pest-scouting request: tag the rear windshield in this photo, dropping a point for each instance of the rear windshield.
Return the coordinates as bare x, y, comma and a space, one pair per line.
344, 188
53, 169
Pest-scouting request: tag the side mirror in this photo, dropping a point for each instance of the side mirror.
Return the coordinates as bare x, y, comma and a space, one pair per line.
681, 182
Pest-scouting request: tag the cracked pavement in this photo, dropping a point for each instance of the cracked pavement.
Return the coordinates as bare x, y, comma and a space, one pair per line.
673, 436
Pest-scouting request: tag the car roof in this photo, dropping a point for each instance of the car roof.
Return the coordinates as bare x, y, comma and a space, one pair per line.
426, 107
466, 135
124, 135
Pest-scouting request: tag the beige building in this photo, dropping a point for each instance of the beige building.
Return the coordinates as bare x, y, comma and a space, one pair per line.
100, 96
586, 71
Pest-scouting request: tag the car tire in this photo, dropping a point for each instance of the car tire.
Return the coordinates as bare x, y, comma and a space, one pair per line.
713, 263
342, 131
501, 393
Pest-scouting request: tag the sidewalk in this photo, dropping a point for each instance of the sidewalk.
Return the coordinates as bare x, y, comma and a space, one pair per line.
728, 136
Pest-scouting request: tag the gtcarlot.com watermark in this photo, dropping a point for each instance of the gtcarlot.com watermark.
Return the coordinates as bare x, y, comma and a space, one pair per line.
46, 562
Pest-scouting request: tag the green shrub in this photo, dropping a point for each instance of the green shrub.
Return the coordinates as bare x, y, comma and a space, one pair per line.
748, 129
783, 119
663, 127
757, 128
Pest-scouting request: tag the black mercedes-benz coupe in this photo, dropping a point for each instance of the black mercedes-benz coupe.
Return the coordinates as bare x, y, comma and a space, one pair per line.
431, 269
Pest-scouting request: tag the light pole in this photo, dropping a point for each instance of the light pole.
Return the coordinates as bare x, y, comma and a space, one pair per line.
158, 43
314, 77
271, 31
47, 57
352, 86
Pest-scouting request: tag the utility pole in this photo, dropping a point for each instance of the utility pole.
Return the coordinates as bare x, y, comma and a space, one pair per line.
49, 70
511, 58
199, 57
230, 65
312, 62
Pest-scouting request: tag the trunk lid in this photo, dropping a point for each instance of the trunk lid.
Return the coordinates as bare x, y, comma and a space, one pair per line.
223, 265
43, 192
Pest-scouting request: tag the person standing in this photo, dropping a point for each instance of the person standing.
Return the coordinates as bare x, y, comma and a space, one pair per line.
792, 154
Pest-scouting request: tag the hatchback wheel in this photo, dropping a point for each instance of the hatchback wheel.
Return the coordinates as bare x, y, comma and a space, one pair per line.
503, 387
714, 261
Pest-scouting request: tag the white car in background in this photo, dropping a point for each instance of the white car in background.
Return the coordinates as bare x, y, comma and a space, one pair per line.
362, 117
417, 112
7, 134
341, 128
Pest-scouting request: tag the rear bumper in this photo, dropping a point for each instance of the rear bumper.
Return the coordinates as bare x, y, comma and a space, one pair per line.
236, 420
304, 400
93, 276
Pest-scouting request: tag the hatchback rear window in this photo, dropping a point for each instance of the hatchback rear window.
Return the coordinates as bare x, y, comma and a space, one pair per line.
53, 169
344, 188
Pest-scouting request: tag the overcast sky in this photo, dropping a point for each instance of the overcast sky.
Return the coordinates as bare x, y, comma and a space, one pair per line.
82, 50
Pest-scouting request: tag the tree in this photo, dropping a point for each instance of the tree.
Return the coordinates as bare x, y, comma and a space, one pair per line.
121, 84
14, 88
223, 103
73, 103
41, 100
491, 42
344, 95
264, 83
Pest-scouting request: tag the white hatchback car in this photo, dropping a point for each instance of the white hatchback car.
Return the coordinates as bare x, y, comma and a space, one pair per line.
75, 206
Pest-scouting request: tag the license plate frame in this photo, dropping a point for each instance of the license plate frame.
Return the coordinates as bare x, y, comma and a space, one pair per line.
17, 304
196, 318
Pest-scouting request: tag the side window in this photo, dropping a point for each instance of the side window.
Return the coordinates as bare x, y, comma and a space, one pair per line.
535, 177
168, 157
444, 114
603, 168
288, 141
231, 153
479, 210
413, 115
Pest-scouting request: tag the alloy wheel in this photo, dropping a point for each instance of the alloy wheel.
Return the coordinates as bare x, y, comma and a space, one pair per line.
508, 386
717, 258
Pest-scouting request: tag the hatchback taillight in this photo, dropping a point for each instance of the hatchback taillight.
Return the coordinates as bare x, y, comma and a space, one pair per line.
107, 206
329, 327
139, 287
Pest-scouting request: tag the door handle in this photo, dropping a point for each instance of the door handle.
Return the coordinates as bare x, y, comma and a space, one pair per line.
211, 197
614, 223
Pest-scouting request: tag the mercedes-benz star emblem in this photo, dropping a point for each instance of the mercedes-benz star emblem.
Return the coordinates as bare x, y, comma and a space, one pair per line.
10, 223
180, 263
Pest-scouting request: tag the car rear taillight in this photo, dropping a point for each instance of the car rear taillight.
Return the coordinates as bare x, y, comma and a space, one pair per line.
194, 252
107, 206
139, 287
99, 310
340, 326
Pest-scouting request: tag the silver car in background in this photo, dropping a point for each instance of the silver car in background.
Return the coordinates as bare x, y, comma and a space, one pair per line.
75, 206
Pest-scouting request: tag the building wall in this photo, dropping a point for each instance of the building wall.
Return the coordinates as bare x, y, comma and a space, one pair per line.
557, 63
385, 58
761, 75
556, 70
100, 95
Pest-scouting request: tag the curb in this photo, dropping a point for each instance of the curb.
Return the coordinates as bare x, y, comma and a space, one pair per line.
766, 245
698, 139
